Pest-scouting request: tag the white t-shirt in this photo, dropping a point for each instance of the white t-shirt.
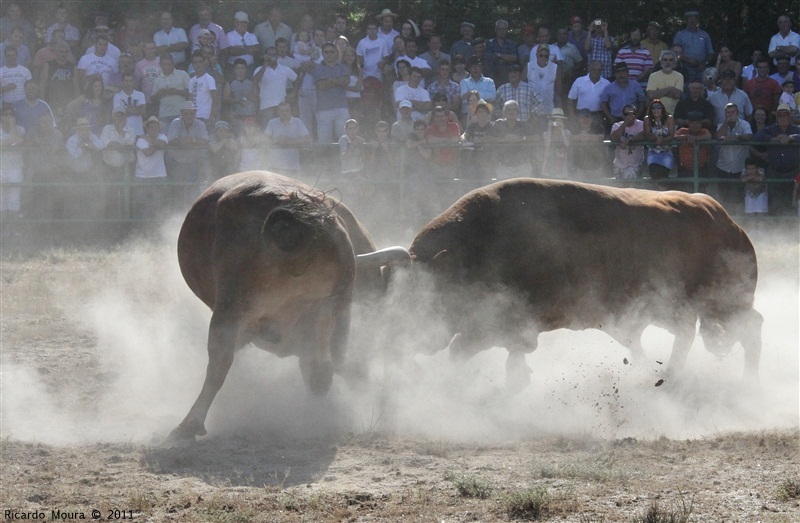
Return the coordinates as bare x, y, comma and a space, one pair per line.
372, 52
406, 92
102, 65
790, 39
176, 35
200, 91
150, 166
587, 93
272, 89
237, 40
135, 99
14, 75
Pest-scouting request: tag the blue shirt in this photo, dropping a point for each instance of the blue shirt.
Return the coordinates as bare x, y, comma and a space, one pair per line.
484, 86
618, 97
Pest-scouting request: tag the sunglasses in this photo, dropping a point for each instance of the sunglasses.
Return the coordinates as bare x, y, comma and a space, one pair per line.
629, 113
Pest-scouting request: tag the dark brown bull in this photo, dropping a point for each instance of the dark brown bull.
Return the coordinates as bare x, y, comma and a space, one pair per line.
275, 260
581, 256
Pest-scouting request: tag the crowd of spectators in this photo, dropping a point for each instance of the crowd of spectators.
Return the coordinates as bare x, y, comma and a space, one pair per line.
82, 105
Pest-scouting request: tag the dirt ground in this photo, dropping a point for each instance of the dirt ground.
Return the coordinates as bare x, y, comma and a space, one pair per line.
92, 383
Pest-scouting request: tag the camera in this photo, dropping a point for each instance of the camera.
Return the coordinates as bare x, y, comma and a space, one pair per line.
598, 22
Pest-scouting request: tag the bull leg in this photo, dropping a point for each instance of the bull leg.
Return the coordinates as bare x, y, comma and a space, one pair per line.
749, 328
684, 337
222, 344
316, 364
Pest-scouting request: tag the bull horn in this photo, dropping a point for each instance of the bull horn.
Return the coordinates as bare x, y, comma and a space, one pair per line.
387, 256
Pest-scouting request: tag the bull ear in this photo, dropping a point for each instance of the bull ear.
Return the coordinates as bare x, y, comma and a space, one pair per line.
284, 229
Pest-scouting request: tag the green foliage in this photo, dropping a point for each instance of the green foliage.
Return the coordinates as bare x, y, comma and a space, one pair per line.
787, 490
527, 504
470, 486
680, 513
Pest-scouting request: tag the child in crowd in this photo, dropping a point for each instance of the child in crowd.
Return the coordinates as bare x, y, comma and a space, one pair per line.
351, 150
787, 96
304, 47
556, 145
756, 200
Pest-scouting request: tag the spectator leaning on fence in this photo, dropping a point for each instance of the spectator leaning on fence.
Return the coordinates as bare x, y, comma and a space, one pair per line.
730, 162
628, 159
149, 196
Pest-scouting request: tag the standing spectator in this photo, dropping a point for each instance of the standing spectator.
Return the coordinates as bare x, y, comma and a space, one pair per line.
13, 20
49, 53
524, 48
730, 162
697, 47
598, 46
224, 148
544, 77
100, 20
71, 34
463, 47
148, 194
340, 24
459, 69
83, 200
476, 82
92, 105
252, 146
557, 139
659, 127
97, 64
442, 84
666, 84
204, 22
783, 156
513, 136
434, 55
239, 96
287, 135
331, 79
405, 125
620, 93
351, 151
29, 109
147, 70
134, 103
23, 52
763, 90
653, 42
386, 31
573, 59
519, 91
170, 90
371, 50
726, 62
639, 59
756, 198
688, 137
444, 135
422, 194
480, 160
628, 159
44, 161
410, 56
585, 148
11, 168
186, 162
695, 103
427, 28
587, 91
749, 71
784, 43
270, 80
112, 51
13, 77
416, 94
241, 43
729, 93
679, 66
577, 36
117, 141
268, 31
504, 51
356, 85
171, 40
203, 91
543, 37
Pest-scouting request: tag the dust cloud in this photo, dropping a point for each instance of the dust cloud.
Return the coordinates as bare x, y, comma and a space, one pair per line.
151, 334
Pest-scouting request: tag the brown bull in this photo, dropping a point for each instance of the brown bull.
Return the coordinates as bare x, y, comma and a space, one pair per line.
275, 260
580, 256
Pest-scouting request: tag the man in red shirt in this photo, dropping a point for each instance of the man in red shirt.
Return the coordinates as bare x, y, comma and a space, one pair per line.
763, 90
444, 135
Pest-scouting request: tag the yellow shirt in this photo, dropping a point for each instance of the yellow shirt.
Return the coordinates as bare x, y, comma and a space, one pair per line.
659, 80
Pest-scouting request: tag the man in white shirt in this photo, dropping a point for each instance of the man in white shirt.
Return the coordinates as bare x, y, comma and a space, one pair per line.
268, 31
13, 77
271, 79
98, 63
586, 90
241, 43
204, 22
785, 42
133, 102
203, 91
371, 51
171, 39
415, 93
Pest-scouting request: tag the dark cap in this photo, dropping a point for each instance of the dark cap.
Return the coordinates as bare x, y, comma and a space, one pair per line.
584, 112
514, 67
575, 20
728, 73
695, 116
479, 40
691, 13
620, 66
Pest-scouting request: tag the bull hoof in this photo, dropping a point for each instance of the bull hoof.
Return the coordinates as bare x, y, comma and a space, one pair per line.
318, 376
185, 431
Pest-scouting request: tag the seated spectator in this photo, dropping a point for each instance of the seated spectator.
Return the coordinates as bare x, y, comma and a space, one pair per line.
225, 152
659, 127
440, 100
628, 159
730, 163
688, 137
512, 137
557, 139
11, 168
403, 127
749, 71
287, 135
756, 197
783, 156
148, 198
